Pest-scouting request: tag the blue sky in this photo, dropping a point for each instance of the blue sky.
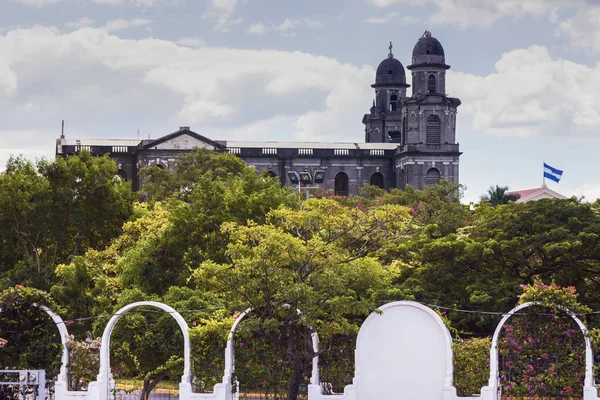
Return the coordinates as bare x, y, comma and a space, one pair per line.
526, 71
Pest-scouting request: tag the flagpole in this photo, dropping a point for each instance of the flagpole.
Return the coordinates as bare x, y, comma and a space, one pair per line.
543, 176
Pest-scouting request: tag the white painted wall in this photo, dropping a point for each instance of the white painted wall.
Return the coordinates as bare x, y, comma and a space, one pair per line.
403, 350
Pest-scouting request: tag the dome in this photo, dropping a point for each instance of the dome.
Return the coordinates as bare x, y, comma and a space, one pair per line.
390, 72
428, 50
428, 45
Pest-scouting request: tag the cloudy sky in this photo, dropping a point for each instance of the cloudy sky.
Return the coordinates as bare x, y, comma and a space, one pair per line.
527, 72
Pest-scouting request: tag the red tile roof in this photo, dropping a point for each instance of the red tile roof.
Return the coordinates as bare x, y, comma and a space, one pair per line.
526, 192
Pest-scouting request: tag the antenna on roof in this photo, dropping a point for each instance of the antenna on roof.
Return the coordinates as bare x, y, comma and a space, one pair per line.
138, 134
62, 130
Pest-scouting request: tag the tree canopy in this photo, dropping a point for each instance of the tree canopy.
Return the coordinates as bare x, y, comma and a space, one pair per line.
306, 269
499, 195
213, 237
53, 211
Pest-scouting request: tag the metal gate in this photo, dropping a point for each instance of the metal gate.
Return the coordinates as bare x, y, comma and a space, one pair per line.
23, 384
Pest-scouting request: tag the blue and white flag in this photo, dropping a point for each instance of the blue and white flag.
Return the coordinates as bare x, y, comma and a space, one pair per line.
552, 173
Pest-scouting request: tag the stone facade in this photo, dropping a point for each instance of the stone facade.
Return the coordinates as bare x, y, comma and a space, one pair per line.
424, 124
408, 140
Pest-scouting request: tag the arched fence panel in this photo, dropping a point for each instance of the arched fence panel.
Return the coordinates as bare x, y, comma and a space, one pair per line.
228, 376
490, 392
402, 351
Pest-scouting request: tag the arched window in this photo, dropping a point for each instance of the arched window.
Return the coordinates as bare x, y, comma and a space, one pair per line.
433, 130
432, 176
378, 180
341, 184
404, 130
431, 81
393, 101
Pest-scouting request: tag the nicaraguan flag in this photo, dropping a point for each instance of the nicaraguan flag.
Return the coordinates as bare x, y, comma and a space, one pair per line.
552, 173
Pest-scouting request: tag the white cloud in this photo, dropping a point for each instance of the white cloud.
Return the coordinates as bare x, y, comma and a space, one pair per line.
38, 3
590, 192
293, 23
583, 29
394, 16
190, 42
137, 3
483, 13
80, 23
222, 11
256, 29
224, 6
109, 2
121, 24
95, 79
531, 94
8, 80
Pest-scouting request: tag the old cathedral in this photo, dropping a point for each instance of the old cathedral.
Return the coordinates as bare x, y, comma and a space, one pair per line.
408, 140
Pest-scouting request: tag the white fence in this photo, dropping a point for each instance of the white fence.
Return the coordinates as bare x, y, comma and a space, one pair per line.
402, 351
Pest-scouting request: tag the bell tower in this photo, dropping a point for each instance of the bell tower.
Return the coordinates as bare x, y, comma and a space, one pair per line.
384, 123
428, 152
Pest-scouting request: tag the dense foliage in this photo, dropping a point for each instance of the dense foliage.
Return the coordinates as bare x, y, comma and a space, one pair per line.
53, 211
212, 238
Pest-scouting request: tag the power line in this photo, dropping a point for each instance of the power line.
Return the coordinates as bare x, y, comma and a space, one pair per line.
70, 321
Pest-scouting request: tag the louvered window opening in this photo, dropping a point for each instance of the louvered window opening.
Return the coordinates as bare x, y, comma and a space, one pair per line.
431, 83
432, 177
434, 128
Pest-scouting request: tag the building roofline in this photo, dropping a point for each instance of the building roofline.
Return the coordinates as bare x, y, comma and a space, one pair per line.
182, 131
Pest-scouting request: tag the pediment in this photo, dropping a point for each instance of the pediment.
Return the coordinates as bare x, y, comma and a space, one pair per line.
183, 140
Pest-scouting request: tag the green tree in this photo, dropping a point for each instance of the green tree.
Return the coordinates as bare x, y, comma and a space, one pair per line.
471, 364
482, 266
27, 251
306, 269
92, 284
499, 195
147, 343
436, 208
160, 184
33, 338
56, 210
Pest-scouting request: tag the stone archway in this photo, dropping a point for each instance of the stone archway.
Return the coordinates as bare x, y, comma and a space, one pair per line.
341, 184
104, 378
432, 177
377, 179
490, 392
